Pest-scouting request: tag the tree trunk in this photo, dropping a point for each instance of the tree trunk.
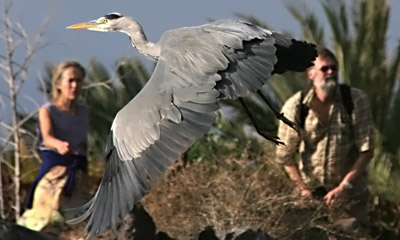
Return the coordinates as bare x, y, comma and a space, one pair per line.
16, 137
17, 173
1, 189
15, 73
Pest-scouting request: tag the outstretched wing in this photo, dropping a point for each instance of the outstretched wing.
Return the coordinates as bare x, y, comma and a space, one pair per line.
197, 66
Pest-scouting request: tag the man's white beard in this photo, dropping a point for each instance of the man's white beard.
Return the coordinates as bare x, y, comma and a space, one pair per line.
328, 85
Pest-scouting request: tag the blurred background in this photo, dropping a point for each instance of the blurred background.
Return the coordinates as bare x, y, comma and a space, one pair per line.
363, 34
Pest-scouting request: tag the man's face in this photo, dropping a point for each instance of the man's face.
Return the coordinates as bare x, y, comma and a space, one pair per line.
324, 74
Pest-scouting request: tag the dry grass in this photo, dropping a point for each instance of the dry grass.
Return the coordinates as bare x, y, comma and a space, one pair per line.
233, 195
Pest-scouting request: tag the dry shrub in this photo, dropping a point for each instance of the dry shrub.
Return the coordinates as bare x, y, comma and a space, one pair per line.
232, 195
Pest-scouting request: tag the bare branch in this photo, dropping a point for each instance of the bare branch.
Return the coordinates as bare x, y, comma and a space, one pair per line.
13, 62
8, 165
336, 233
32, 48
29, 173
22, 32
26, 132
6, 143
1, 189
36, 155
43, 86
7, 8
2, 101
102, 84
4, 95
32, 100
13, 129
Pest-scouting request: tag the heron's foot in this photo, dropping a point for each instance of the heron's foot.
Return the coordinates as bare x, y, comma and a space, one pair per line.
272, 138
287, 122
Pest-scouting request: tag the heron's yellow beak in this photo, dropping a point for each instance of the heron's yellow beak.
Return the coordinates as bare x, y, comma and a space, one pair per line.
82, 25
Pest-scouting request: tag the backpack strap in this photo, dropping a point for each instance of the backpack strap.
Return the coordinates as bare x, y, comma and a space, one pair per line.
303, 109
345, 92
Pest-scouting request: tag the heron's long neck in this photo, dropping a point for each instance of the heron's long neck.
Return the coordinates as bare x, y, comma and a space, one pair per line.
139, 40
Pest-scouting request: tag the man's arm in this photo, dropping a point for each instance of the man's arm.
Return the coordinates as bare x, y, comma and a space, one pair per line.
285, 155
358, 168
294, 174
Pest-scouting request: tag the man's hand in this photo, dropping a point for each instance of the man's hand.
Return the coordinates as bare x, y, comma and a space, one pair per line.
294, 175
305, 192
335, 194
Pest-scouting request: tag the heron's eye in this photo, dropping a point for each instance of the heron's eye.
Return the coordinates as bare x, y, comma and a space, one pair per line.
102, 20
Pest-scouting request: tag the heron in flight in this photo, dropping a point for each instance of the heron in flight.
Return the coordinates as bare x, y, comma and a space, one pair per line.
196, 67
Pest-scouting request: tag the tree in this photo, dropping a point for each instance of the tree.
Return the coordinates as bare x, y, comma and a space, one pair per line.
14, 71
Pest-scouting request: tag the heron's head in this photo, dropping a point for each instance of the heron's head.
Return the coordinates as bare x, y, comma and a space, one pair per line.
110, 22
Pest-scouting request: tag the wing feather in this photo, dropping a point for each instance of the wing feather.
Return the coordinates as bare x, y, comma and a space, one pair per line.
178, 134
168, 149
125, 192
117, 199
133, 185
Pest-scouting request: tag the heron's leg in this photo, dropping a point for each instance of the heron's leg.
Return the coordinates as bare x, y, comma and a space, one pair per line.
278, 115
266, 135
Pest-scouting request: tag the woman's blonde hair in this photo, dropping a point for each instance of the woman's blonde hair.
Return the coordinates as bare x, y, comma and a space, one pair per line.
57, 74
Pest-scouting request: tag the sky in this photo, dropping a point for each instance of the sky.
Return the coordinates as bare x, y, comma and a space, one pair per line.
155, 16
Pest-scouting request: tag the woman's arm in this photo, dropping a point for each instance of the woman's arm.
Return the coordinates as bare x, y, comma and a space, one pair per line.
45, 128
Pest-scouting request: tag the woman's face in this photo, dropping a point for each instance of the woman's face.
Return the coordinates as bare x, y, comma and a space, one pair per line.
70, 83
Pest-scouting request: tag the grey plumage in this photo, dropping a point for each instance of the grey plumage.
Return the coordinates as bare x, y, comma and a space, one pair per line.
196, 67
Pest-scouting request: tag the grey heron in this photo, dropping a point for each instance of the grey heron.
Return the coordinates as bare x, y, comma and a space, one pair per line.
196, 66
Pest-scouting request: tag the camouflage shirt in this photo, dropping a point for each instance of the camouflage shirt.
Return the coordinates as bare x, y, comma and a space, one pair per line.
327, 153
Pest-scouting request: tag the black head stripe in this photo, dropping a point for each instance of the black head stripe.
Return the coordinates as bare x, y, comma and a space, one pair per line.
112, 16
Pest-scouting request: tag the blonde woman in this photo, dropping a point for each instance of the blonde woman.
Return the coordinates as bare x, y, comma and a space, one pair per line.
62, 179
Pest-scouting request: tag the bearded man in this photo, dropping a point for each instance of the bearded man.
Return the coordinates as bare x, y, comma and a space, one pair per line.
334, 143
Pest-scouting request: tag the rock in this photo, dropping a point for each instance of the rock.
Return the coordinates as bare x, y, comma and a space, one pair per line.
139, 225
12, 231
207, 234
254, 235
163, 236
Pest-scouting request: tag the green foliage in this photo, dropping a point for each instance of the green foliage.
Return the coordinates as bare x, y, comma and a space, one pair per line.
384, 173
310, 24
362, 54
223, 140
105, 96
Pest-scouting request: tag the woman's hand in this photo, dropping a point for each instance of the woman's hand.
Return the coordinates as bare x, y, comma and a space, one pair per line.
63, 147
